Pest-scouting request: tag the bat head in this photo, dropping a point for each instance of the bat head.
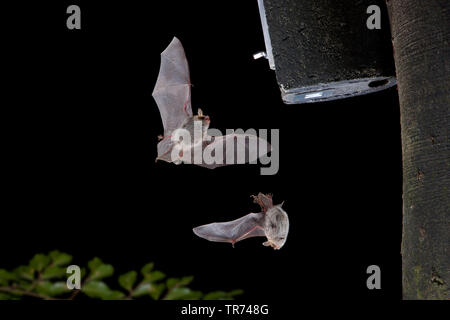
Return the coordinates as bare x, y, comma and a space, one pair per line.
202, 117
276, 227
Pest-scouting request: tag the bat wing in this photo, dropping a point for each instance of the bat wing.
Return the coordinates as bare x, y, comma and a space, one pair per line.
250, 225
165, 149
172, 91
236, 149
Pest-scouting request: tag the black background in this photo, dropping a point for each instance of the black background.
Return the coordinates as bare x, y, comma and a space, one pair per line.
79, 143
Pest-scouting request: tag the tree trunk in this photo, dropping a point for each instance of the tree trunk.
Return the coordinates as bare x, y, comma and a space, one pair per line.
421, 36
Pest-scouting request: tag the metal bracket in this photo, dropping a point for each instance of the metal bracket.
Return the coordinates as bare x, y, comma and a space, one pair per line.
268, 54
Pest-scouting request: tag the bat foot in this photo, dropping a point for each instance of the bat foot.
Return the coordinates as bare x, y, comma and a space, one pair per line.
160, 137
269, 243
264, 201
257, 200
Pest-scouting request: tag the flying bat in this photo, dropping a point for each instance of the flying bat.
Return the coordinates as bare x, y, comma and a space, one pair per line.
172, 94
272, 223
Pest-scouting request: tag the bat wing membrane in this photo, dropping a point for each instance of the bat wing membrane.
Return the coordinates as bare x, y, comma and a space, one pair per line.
250, 225
165, 149
172, 91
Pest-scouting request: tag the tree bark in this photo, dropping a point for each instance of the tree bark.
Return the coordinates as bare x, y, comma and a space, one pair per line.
421, 36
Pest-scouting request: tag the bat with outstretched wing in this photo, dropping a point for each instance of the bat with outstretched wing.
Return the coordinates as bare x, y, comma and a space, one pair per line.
272, 223
172, 94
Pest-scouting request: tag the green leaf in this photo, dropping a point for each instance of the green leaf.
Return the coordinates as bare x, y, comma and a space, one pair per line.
216, 295
7, 296
60, 258
147, 268
25, 284
94, 263
96, 289
157, 290
194, 295
142, 290
176, 282
221, 295
154, 276
236, 292
99, 289
128, 280
154, 290
99, 270
6, 276
185, 280
172, 282
39, 262
115, 295
24, 272
53, 272
51, 289
182, 294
